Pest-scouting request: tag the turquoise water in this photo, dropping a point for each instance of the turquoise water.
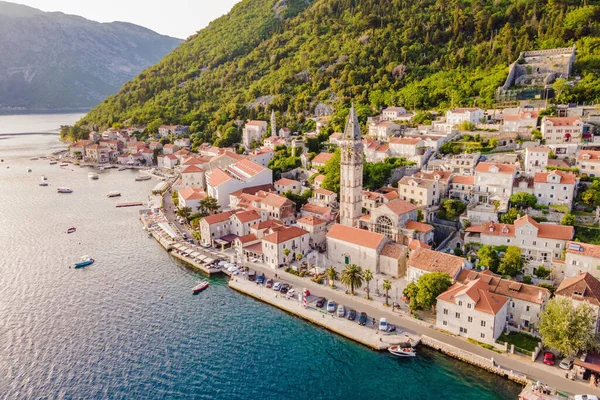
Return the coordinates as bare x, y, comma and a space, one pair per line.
128, 327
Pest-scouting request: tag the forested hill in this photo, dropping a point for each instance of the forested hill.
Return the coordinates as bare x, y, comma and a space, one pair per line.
51, 60
293, 54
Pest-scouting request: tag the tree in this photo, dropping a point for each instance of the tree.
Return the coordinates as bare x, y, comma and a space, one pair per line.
208, 206
423, 293
175, 198
331, 170
368, 275
568, 219
387, 286
566, 328
153, 126
184, 212
299, 258
452, 208
523, 200
352, 277
510, 216
488, 257
511, 263
542, 272
286, 253
332, 275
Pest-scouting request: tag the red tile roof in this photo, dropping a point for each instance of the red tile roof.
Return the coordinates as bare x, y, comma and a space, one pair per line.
213, 219
217, 177
464, 180
247, 216
322, 158
589, 155
356, 236
249, 167
415, 244
563, 121
192, 169
548, 231
538, 149
410, 141
400, 207
583, 287
286, 182
585, 249
393, 250
477, 291
256, 123
435, 261
189, 193
565, 177
419, 226
285, 235
311, 220
311, 208
502, 168
324, 192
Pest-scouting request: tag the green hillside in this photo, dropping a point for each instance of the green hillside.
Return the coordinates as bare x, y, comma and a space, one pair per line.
415, 53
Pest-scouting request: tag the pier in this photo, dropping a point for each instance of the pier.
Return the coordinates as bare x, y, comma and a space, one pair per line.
130, 204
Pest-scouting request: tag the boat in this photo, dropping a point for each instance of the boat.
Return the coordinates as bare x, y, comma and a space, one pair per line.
404, 349
28, 169
44, 178
113, 194
71, 229
53, 162
84, 262
64, 190
142, 178
64, 165
122, 169
44, 184
200, 286
34, 159
93, 175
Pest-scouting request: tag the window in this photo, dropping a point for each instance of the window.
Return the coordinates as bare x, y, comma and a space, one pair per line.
460, 303
527, 308
483, 324
469, 305
483, 335
445, 311
463, 330
470, 319
534, 243
558, 245
445, 323
457, 315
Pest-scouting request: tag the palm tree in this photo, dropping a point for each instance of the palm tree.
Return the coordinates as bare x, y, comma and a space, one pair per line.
299, 258
286, 253
387, 286
352, 277
332, 275
368, 278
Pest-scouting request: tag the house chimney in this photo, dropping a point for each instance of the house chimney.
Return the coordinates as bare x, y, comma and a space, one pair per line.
540, 295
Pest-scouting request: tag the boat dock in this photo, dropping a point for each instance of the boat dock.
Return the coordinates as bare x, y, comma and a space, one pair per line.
342, 326
131, 204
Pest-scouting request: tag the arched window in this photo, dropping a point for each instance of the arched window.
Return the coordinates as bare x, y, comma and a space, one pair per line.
384, 226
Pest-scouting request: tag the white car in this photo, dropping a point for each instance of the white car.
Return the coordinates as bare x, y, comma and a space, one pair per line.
331, 306
341, 311
277, 286
586, 397
291, 293
383, 325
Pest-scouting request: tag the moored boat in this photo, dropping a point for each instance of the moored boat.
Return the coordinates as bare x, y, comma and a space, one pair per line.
64, 190
122, 169
44, 178
71, 229
28, 169
200, 286
93, 175
402, 350
142, 178
53, 162
84, 262
44, 184
113, 194
64, 165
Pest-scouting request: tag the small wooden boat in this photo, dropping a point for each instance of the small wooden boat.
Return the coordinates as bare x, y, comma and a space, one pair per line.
53, 162
28, 169
44, 178
121, 169
71, 229
142, 178
200, 287
92, 175
44, 184
64, 165
64, 190
402, 350
34, 159
84, 262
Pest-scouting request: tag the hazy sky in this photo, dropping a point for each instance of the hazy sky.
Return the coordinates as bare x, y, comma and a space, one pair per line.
178, 18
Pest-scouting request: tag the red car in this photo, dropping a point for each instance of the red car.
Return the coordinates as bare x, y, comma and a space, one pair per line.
548, 358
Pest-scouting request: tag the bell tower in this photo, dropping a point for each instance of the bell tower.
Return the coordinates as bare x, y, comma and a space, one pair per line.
351, 173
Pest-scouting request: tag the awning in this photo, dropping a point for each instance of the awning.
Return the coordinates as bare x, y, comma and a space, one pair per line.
221, 242
195, 254
586, 365
178, 246
209, 260
202, 258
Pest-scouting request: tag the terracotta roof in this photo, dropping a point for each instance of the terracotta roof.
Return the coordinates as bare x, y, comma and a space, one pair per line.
506, 287
247, 238
254, 189
249, 167
270, 223
383, 148
538, 149
558, 163
319, 178
502, 168
590, 154
407, 180
196, 160
220, 217
371, 195
562, 121
217, 177
391, 195
286, 182
168, 146
275, 200
247, 216
356, 236
419, 226
311, 208
256, 123
416, 244
324, 192
548, 231
285, 235
476, 290
411, 141
190, 193
585, 249
465, 180
311, 220
322, 158
435, 175
435, 261
393, 250
170, 156
583, 287
192, 169
565, 177
400, 207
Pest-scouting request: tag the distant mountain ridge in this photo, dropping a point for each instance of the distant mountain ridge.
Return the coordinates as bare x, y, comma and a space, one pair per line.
51, 60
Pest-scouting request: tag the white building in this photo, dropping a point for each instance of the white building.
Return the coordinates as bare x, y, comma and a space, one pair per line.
536, 160
457, 116
192, 175
539, 243
177, 130
580, 258
274, 245
168, 161
555, 187
423, 261
393, 113
494, 180
284, 185
190, 197
583, 288
588, 162
348, 245
383, 130
562, 134
424, 192
261, 156
472, 311
524, 120
316, 227
253, 132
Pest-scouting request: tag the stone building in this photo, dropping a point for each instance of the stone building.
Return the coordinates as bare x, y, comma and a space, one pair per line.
351, 174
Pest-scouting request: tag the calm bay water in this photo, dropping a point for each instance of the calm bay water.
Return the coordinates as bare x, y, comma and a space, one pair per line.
36, 123
105, 332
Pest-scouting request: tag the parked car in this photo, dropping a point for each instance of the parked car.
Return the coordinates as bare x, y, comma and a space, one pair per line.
566, 363
185, 236
586, 397
331, 306
284, 288
306, 292
320, 302
548, 358
351, 315
191, 241
277, 286
269, 283
260, 279
341, 311
362, 319
291, 293
383, 325
252, 276
206, 246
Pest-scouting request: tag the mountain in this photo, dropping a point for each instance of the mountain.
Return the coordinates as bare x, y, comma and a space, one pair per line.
50, 60
291, 55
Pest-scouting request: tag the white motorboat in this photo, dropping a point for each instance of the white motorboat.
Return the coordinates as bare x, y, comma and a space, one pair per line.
142, 178
93, 175
44, 178
114, 194
64, 190
44, 184
402, 350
